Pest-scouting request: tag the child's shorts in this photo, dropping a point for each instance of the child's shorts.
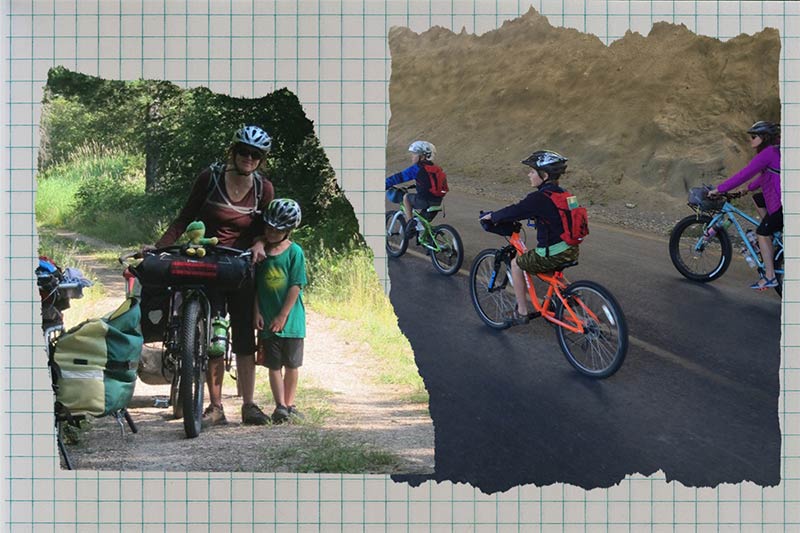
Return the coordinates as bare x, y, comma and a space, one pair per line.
276, 352
534, 263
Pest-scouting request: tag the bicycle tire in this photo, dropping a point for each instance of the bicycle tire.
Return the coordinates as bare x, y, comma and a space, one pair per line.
778, 264
605, 338
492, 307
396, 239
192, 381
706, 264
448, 259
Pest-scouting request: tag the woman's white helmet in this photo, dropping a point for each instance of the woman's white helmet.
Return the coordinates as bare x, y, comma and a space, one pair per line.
253, 136
283, 214
423, 148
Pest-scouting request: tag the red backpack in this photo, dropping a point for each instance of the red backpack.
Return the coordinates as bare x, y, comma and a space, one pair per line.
574, 219
438, 180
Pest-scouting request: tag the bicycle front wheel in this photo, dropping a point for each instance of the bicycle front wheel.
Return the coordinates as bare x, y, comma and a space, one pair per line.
599, 351
193, 353
696, 256
396, 240
447, 252
491, 290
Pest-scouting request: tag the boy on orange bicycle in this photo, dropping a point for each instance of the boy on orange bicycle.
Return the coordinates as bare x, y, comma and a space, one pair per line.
551, 250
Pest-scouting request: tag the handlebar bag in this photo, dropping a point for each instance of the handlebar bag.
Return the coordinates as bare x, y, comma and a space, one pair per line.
94, 364
218, 271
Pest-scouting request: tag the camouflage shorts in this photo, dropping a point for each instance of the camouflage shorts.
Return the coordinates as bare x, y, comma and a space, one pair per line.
532, 262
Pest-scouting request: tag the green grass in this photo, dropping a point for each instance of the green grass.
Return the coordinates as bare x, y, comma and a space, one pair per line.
329, 453
345, 286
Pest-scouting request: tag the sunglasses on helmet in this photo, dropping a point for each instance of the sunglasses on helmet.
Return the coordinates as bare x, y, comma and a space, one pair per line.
245, 151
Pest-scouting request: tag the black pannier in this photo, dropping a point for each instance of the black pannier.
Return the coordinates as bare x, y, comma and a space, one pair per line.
215, 271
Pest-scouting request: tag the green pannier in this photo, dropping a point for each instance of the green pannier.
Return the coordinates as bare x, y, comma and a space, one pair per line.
94, 364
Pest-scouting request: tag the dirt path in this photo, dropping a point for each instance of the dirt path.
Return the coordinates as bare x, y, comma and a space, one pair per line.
360, 414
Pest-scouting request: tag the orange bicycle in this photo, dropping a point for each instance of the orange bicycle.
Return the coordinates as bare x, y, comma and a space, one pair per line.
590, 325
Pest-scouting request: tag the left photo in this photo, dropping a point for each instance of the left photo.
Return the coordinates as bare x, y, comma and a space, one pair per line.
208, 302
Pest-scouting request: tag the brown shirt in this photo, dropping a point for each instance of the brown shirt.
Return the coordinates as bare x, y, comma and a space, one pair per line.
235, 224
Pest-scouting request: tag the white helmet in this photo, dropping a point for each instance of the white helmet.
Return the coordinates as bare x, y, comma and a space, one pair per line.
283, 214
423, 148
253, 136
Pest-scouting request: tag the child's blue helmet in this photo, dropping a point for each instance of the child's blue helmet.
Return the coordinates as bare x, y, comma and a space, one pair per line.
547, 161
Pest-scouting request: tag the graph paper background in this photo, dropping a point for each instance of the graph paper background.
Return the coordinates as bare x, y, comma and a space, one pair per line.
335, 57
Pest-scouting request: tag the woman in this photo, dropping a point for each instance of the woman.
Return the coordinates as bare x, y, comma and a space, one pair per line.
229, 197
765, 138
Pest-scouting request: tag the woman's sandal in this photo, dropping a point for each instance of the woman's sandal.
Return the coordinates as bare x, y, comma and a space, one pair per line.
769, 284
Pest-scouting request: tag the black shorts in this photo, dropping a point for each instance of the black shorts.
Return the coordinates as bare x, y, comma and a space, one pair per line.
758, 199
771, 223
239, 305
282, 351
421, 204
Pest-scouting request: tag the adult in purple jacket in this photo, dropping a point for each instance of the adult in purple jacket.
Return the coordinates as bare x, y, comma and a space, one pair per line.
765, 137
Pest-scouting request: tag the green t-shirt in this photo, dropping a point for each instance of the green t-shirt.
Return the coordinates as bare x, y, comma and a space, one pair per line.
274, 276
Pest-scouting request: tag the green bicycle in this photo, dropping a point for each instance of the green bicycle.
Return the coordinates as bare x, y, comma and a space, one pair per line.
442, 242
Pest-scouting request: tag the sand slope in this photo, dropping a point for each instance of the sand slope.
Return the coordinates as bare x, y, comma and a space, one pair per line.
654, 114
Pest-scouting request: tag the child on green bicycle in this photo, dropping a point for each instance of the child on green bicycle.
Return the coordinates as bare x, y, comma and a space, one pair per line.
430, 180
551, 251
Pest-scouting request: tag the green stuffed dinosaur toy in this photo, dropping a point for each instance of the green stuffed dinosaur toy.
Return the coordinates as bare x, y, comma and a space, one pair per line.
196, 232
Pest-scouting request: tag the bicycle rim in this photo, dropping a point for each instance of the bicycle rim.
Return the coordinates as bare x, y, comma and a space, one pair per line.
193, 353
396, 240
695, 256
495, 306
599, 351
447, 252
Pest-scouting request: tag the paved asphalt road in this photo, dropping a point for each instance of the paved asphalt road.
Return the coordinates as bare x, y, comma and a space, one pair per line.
696, 398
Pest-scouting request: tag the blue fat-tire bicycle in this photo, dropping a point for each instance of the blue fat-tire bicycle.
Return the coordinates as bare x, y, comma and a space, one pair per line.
701, 249
442, 242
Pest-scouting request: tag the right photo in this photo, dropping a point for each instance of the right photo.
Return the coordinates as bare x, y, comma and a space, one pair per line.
585, 248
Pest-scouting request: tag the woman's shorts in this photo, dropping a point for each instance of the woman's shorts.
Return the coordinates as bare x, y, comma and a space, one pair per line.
239, 305
534, 263
771, 223
281, 351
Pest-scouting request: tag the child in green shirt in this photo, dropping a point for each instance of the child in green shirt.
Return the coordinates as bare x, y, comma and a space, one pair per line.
278, 309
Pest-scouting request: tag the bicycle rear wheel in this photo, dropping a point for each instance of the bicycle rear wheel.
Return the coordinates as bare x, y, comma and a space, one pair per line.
450, 254
193, 352
491, 289
695, 256
396, 240
599, 351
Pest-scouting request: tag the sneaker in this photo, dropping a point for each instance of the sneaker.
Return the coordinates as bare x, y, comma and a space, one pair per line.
280, 414
252, 415
516, 319
294, 414
767, 284
214, 415
411, 228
